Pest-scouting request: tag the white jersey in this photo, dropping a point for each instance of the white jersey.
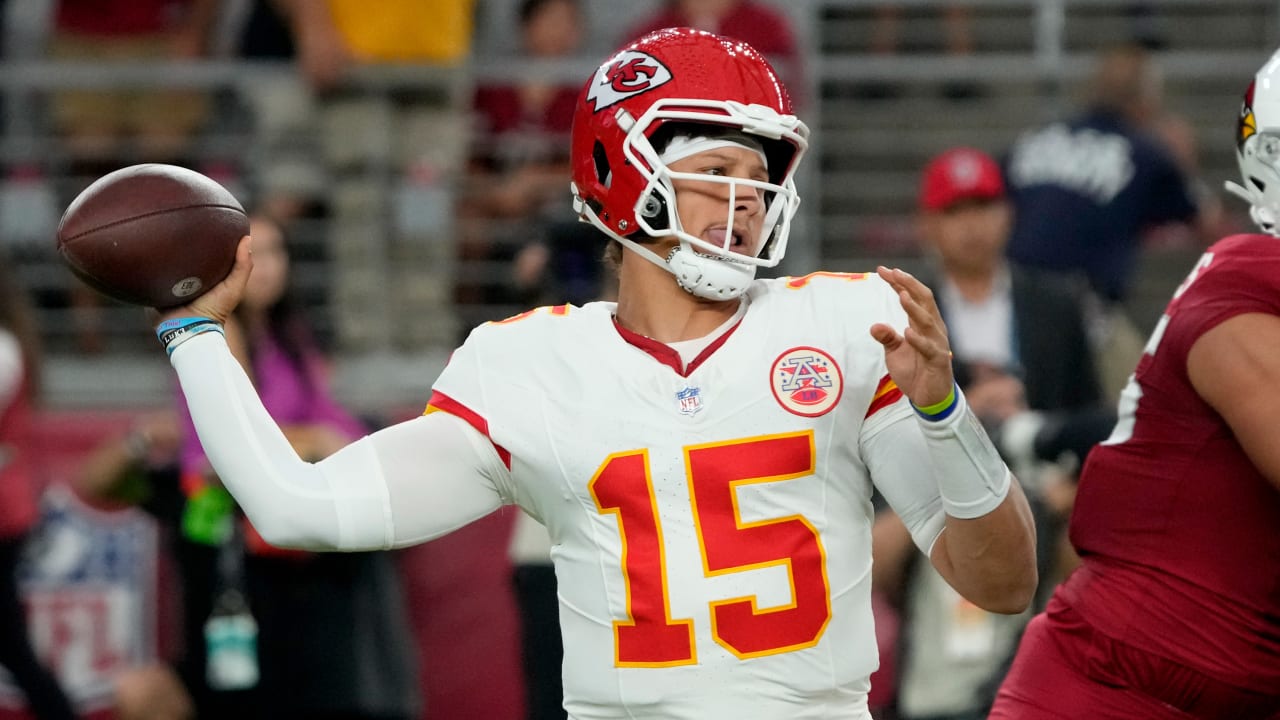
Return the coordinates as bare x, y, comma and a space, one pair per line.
710, 524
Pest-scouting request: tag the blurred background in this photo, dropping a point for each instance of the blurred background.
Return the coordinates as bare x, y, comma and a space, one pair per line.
414, 157
879, 109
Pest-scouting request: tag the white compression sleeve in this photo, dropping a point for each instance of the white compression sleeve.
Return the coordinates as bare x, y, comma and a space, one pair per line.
929, 470
441, 474
895, 453
972, 477
404, 484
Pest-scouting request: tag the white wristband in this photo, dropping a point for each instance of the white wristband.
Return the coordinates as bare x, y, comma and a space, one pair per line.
972, 478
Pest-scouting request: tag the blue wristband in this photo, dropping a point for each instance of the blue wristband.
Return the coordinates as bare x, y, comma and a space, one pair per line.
942, 410
173, 332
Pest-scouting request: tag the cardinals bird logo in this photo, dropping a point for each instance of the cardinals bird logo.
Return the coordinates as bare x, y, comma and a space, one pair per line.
1247, 125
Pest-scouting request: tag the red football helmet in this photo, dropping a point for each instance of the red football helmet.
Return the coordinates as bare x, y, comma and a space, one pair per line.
690, 77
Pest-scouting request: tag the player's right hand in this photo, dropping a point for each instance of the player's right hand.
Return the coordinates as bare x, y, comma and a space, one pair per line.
218, 303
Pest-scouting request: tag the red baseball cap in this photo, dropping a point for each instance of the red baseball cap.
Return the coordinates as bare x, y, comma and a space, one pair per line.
960, 174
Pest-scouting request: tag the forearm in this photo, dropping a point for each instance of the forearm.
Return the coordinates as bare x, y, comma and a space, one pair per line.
988, 559
987, 549
404, 484
291, 502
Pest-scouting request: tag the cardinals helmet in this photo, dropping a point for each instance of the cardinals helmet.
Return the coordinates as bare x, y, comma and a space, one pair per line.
1258, 147
708, 89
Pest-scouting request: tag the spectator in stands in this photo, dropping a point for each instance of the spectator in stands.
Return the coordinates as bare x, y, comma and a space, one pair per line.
97, 586
95, 123
1085, 189
286, 164
346, 610
103, 129
886, 41
1178, 133
1021, 355
763, 27
415, 125
19, 384
138, 467
1021, 342
512, 207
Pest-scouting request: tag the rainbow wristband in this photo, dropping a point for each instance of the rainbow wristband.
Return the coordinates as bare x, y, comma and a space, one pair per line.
172, 333
940, 411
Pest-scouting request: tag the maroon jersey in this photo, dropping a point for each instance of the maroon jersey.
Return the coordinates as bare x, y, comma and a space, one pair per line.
1179, 533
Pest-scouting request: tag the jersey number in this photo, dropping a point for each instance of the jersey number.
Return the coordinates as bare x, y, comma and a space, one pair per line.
649, 636
1127, 407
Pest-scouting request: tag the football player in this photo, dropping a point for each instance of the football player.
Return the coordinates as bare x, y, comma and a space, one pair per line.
702, 452
1175, 609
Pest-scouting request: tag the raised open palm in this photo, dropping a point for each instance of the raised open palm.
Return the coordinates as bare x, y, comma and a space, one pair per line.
919, 359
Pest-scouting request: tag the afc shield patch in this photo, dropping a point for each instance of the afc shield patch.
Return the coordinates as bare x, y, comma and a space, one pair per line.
806, 381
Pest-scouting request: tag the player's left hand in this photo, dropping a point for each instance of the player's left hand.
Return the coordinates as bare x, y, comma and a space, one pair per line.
919, 359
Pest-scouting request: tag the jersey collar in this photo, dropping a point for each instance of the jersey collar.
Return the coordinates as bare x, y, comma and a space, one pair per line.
667, 355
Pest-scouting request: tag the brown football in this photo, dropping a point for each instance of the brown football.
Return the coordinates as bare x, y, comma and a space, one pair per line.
152, 234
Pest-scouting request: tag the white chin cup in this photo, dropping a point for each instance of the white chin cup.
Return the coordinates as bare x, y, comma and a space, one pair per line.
707, 276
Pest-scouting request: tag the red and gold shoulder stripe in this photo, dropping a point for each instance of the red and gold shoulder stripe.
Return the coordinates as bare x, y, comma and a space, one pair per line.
443, 403
887, 393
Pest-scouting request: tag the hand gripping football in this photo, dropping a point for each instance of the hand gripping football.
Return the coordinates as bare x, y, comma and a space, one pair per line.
153, 235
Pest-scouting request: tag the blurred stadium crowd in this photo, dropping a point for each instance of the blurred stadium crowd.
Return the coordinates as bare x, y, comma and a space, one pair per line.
413, 157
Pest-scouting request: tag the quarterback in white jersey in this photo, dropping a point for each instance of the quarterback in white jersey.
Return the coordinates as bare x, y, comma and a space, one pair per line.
710, 520
702, 452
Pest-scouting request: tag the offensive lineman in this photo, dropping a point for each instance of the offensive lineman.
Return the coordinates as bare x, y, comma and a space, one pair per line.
1174, 612
702, 452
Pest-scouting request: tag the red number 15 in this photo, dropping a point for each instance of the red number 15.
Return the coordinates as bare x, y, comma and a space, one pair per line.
649, 636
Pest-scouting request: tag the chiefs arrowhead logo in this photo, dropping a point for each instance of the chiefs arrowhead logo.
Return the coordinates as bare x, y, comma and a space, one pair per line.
626, 75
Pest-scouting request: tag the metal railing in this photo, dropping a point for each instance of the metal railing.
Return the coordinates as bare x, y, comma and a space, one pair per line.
1050, 65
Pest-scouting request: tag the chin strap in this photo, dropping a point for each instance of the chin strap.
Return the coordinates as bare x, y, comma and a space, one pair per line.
1261, 216
704, 276
1239, 191
707, 276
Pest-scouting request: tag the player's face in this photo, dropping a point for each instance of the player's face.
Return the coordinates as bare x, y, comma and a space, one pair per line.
704, 206
270, 274
969, 236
